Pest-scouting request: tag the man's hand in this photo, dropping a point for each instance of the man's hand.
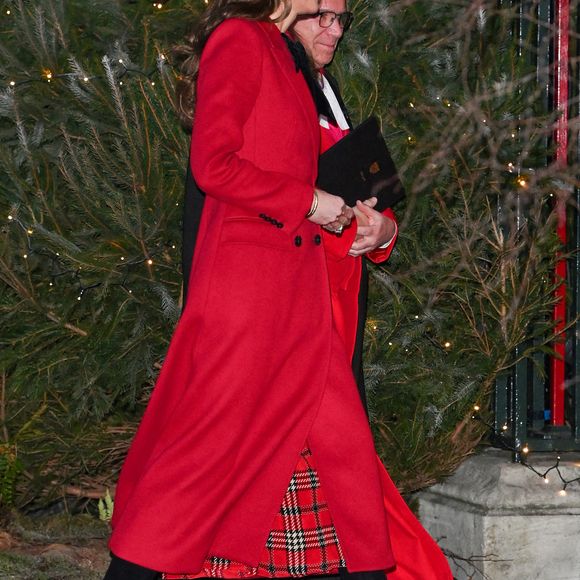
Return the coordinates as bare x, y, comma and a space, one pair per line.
374, 229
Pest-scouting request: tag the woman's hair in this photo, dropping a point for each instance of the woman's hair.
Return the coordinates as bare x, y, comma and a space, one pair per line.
187, 55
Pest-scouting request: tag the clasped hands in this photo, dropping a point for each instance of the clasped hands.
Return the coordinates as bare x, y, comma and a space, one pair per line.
373, 228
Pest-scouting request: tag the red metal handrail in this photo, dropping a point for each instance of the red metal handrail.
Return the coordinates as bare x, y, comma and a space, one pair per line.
557, 367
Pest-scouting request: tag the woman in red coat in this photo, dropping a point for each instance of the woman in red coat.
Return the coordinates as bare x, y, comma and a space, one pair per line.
256, 382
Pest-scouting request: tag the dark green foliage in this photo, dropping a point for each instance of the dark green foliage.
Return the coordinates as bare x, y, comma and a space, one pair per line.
92, 161
10, 469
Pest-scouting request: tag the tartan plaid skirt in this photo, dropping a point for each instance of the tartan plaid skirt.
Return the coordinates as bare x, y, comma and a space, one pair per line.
302, 542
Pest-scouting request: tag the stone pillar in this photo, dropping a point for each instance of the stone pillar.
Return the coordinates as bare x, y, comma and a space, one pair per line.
503, 522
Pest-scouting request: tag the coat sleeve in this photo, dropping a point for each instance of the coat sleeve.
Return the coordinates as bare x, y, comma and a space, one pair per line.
337, 247
230, 77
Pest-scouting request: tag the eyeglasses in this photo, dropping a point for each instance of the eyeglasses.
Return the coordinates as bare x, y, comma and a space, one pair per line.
326, 19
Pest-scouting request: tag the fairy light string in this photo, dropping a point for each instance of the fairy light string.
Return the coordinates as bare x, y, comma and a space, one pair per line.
500, 440
59, 270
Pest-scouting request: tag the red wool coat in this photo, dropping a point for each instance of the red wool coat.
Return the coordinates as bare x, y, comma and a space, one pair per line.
255, 368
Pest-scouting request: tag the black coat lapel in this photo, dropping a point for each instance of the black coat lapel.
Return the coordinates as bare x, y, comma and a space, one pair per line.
303, 64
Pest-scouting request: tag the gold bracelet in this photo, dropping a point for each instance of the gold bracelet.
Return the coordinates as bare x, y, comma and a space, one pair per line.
314, 205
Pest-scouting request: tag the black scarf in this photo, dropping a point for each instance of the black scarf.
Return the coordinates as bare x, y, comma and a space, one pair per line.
303, 65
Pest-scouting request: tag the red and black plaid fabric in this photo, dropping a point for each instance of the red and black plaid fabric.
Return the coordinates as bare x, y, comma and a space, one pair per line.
302, 542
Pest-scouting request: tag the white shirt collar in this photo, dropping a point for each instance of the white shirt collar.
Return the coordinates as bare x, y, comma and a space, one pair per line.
334, 105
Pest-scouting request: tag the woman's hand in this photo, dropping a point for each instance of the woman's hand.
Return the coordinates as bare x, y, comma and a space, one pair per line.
331, 212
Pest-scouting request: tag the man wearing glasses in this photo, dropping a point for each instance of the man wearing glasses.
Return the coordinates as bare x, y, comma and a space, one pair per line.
372, 234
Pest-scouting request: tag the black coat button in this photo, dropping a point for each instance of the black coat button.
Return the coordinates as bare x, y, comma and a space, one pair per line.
317, 239
298, 241
263, 216
279, 225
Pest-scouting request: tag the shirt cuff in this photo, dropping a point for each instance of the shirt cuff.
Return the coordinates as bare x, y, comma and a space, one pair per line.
387, 244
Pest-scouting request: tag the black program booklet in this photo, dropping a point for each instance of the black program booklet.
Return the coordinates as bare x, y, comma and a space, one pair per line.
359, 166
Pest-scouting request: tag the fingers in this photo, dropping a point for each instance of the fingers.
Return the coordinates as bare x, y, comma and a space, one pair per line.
367, 239
335, 227
360, 247
371, 201
367, 210
347, 213
361, 218
344, 218
358, 252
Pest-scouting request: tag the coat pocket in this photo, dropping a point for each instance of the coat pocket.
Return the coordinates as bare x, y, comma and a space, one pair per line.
255, 231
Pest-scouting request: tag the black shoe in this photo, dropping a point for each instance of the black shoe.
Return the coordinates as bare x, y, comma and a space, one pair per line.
122, 570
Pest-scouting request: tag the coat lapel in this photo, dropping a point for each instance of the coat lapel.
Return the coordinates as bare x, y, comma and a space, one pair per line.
294, 78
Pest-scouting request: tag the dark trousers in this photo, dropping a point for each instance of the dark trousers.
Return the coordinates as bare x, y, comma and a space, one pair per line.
123, 570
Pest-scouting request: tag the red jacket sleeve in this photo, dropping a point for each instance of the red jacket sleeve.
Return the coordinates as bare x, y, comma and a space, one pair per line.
337, 247
230, 77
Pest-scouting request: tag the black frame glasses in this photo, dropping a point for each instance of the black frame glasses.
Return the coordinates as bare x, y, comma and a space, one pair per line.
326, 19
